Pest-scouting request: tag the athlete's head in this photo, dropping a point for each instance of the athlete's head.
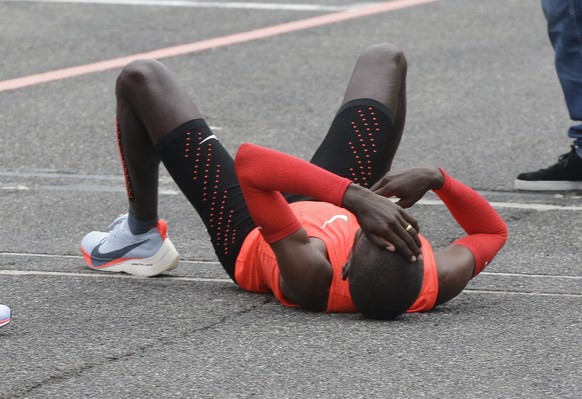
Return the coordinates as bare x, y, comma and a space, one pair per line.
383, 284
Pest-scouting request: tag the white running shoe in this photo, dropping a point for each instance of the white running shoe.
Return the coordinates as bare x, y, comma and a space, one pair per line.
118, 250
5, 315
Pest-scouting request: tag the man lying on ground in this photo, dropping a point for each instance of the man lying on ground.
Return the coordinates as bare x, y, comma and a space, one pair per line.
321, 235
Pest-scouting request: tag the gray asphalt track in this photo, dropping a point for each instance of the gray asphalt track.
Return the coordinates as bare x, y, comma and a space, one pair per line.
483, 102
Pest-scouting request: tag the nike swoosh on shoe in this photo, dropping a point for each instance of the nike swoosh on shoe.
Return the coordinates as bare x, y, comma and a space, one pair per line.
98, 258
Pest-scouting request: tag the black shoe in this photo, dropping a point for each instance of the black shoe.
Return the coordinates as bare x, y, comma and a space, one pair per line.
562, 176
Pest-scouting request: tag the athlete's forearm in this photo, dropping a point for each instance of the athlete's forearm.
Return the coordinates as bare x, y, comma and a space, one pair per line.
264, 173
487, 231
271, 170
473, 213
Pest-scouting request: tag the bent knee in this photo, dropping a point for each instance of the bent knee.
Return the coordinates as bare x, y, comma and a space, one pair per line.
387, 54
138, 73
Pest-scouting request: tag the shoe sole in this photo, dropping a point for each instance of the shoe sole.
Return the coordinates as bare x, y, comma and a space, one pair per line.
166, 259
4, 322
549, 185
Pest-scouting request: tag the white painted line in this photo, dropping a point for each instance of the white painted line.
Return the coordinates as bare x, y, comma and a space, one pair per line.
530, 275
60, 175
538, 207
96, 275
82, 188
551, 294
206, 4
12, 187
41, 255
516, 205
168, 192
19, 273
68, 176
56, 256
212, 262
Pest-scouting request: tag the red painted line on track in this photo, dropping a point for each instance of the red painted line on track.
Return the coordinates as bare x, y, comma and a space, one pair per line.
18, 83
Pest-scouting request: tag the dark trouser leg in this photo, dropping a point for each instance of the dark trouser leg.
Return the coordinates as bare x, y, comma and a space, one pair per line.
564, 20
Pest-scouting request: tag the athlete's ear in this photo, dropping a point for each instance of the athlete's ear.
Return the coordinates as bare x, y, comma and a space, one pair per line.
345, 270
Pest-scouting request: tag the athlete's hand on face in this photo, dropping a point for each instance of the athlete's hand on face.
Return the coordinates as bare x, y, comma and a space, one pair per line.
409, 185
384, 222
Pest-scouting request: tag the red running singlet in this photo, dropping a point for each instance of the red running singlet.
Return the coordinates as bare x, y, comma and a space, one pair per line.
257, 270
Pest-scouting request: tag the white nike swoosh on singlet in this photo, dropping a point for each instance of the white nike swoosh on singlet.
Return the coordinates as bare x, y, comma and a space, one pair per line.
334, 218
208, 138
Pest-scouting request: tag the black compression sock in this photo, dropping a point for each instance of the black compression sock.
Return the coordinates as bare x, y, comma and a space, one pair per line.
140, 226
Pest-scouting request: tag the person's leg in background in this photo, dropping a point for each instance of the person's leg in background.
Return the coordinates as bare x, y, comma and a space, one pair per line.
564, 18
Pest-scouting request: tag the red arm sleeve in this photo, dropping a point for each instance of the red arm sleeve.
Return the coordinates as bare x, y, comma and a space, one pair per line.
487, 231
264, 173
